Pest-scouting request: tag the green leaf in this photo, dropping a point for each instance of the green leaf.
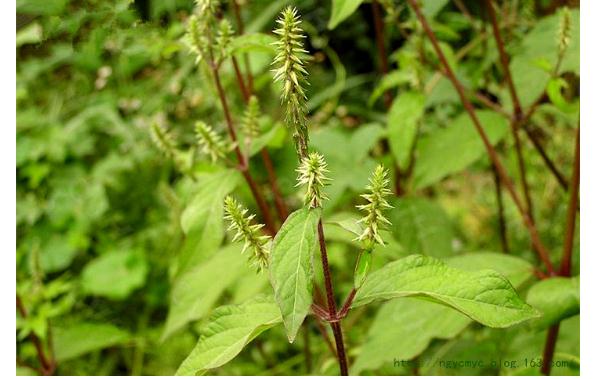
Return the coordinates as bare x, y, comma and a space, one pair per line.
229, 329
76, 340
204, 206
252, 42
341, 9
195, 291
404, 328
351, 167
29, 34
556, 298
422, 227
115, 274
537, 55
391, 80
554, 91
515, 269
402, 125
484, 296
291, 267
451, 150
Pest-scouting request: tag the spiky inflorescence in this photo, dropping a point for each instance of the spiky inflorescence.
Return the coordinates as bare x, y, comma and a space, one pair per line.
290, 71
211, 142
199, 45
224, 37
374, 220
247, 232
564, 31
251, 123
163, 140
311, 173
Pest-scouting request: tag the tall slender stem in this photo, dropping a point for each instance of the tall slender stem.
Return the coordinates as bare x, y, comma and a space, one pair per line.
335, 323
246, 58
244, 168
505, 179
567, 253
500, 211
266, 157
514, 123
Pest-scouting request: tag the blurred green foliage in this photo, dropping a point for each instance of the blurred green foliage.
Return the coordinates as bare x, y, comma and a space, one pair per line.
122, 256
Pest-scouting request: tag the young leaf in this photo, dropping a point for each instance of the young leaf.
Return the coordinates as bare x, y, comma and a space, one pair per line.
485, 296
229, 329
402, 121
556, 298
341, 9
252, 42
291, 267
447, 151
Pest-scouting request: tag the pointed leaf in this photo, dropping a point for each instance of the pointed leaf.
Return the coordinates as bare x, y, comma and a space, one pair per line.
555, 298
402, 125
291, 267
450, 150
484, 296
341, 9
229, 329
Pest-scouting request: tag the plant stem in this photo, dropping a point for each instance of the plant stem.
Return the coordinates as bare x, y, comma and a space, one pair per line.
244, 168
325, 336
548, 351
500, 211
380, 45
47, 366
266, 157
335, 323
246, 58
567, 253
514, 123
546, 159
505, 179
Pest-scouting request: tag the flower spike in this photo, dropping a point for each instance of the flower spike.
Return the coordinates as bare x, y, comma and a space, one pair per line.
213, 145
374, 220
311, 173
290, 71
247, 232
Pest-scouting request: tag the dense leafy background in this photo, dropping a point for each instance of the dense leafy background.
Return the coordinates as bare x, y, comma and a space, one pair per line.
122, 258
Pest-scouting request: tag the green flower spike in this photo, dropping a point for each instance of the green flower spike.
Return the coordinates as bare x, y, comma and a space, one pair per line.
211, 142
163, 140
225, 36
247, 232
194, 37
290, 71
564, 31
251, 123
374, 220
311, 173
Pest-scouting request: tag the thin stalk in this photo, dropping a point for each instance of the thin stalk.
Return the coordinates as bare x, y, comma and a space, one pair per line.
548, 350
514, 124
505, 179
380, 45
246, 58
500, 210
243, 164
325, 336
266, 157
335, 323
47, 365
560, 178
567, 253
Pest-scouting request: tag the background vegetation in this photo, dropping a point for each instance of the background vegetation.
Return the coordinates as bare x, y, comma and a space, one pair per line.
113, 278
